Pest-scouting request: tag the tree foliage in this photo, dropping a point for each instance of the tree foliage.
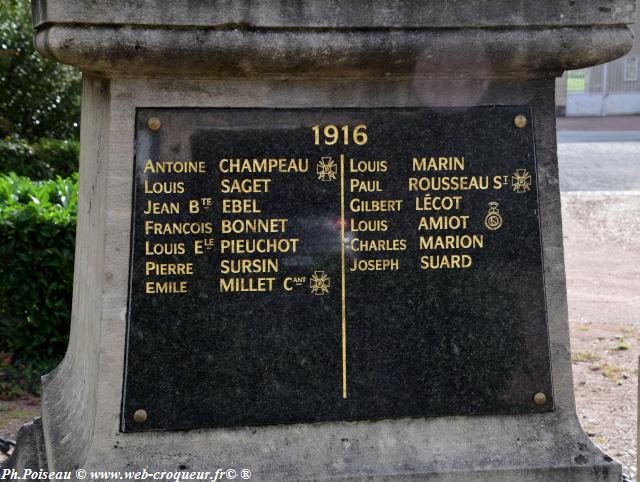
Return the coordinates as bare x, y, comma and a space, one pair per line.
38, 97
43, 159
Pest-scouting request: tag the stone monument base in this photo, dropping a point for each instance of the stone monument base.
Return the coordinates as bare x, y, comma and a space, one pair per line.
272, 54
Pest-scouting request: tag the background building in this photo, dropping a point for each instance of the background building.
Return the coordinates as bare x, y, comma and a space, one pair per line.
609, 89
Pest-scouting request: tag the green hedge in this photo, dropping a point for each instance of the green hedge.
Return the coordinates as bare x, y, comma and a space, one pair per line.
37, 237
44, 159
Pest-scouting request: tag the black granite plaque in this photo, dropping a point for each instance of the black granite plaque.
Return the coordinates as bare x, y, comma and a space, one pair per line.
334, 264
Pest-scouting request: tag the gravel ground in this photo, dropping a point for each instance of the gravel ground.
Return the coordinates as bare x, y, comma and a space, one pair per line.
602, 257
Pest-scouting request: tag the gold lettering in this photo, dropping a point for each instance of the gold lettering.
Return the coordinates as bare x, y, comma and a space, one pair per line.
246, 284
374, 205
255, 225
158, 249
162, 208
240, 206
165, 287
453, 261
172, 187
367, 166
264, 165
359, 185
151, 227
441, 163
437, 203
168, 269
369, 225
241, 266
428, 223
244, 185
392, 264
452, 183
262, 246
378, 244
175, 167
465, 241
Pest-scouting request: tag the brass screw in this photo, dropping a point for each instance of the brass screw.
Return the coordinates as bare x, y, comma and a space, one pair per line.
140, 416
520, 121
154, 123
540, 398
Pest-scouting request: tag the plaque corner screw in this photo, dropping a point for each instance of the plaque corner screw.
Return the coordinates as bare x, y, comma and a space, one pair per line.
140, 416
154, 123
539, 398
520, 121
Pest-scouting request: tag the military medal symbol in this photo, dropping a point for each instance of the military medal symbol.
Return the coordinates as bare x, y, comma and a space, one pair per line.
319, 283
327, 169
521, 181
493, 220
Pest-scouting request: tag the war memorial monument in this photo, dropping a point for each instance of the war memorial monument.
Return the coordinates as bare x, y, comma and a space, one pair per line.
320, 240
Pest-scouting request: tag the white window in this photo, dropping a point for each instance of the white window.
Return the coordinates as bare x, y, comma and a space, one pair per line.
577, 81
631, 69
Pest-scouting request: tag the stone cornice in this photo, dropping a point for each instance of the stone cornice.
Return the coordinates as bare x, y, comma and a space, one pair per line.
497, 52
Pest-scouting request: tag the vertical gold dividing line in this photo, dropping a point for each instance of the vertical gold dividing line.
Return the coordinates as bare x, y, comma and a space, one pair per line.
344, 289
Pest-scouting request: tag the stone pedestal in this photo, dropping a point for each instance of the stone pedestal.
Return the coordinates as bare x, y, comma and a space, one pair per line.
306, 55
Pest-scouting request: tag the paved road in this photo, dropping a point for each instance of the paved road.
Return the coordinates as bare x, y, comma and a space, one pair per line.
599, 166
598, 136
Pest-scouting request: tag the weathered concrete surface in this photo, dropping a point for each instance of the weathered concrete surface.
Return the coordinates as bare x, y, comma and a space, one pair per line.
337, 13
29, 452
415, 38
440, 53
69, 392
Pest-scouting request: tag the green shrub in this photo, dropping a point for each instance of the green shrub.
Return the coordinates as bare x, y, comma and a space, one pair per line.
44, 159
39, 97
19, 377
37, 237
